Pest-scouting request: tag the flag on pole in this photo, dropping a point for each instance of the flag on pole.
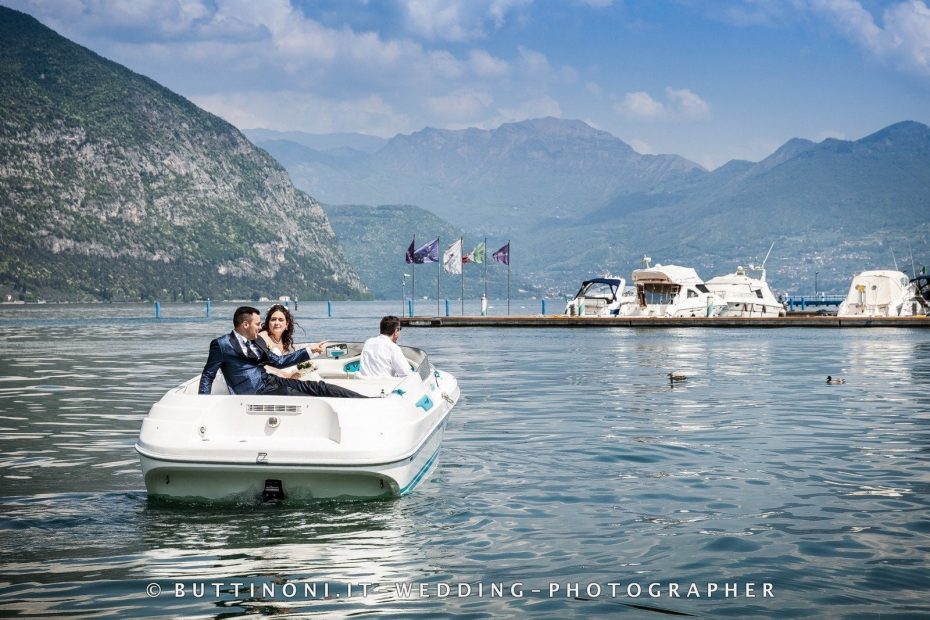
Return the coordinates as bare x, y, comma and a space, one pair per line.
502, 255
452, 258
476, 255
408, 258
429, 253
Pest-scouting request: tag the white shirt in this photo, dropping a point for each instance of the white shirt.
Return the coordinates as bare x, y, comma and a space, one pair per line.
381, 357
246, 346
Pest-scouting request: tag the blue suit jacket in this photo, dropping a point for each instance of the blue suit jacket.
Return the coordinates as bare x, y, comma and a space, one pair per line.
244, 375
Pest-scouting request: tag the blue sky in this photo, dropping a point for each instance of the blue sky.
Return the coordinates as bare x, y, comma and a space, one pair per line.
709, 80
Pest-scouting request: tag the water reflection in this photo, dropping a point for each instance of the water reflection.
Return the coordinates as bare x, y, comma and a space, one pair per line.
570, 458
342, 543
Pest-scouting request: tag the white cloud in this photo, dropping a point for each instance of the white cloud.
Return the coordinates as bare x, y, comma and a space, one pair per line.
685, 105
748, 13
901, 37
680, 105
533, 61
298, 111
486, 65
904, 40
456, 107
457, 20
640, 106
439, 19
530, 108
535, 67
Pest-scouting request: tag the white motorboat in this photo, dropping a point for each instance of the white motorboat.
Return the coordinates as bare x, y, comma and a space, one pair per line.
671, 291
746, 296
598, 297
224, 446
883, 293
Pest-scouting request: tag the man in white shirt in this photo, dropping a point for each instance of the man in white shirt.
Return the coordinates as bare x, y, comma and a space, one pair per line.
381, 357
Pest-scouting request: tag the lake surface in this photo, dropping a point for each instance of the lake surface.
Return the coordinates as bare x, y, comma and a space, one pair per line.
568, 465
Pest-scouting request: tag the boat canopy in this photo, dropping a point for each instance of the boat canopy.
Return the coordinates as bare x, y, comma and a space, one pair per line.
874, 288
607, 281
607, 285
666, 274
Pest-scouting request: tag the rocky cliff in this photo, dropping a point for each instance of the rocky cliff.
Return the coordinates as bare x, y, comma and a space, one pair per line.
113, 187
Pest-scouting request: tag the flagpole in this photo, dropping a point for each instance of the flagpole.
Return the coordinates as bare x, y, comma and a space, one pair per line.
462, 267
438, 276
508, 277
413, 286
485, 267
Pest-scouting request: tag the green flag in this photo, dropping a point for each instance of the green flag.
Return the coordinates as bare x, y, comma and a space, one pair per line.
476, 255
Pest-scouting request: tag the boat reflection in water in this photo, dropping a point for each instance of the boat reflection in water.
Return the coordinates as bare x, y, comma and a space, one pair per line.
319, 557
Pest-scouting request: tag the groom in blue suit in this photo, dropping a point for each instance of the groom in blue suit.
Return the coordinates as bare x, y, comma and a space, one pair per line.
242, 359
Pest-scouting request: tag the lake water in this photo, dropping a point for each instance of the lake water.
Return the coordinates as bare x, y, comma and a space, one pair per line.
568, 465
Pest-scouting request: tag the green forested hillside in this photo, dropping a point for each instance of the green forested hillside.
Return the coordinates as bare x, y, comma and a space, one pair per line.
113, 187
375, 239
832, 208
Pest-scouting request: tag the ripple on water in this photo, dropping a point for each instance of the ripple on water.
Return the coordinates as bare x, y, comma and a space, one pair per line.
570, 458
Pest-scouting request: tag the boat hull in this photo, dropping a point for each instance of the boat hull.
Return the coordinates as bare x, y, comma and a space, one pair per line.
246, 482
228, 447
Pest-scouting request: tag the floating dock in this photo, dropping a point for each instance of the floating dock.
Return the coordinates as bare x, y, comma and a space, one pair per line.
559, 320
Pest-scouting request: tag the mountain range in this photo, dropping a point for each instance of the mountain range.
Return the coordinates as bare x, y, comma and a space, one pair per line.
577, 201
115, 188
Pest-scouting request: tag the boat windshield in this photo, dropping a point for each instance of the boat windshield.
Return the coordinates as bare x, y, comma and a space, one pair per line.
599, 288
653, 294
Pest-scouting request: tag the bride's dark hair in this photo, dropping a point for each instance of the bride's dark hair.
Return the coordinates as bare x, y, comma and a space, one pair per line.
287, 336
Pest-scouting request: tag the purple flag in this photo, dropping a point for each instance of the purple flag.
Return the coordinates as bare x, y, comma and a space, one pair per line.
502, 255
429, 253
408, 258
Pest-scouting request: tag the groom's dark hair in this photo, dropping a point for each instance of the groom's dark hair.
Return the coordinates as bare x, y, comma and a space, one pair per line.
389, 324
243, 313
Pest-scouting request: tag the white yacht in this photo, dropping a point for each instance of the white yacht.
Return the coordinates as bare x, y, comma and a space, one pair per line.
671, 291
883, 293
231, 447
598, 297
746, 296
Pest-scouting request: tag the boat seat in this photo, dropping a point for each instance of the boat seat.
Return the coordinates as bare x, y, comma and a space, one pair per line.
219, 385
372, 386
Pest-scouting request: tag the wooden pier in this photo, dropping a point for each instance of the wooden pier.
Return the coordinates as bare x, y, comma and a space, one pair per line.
558, 320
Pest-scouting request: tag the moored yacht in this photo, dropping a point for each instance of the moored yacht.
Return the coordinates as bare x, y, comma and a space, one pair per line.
598, 297
746, 296
671, 291
883, 293
224, 446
